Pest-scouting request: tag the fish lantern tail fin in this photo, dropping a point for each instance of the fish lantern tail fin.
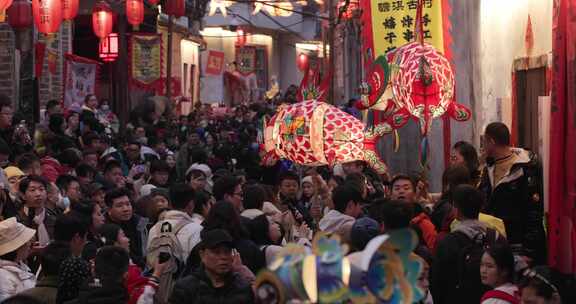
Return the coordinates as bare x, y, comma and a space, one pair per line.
370, 154
269, 159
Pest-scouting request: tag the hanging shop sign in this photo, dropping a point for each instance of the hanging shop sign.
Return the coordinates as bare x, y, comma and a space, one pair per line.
390, 24
215, 63
81, 76
146, 60
246, 59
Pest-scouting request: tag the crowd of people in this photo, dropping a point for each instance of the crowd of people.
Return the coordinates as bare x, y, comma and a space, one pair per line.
181, 210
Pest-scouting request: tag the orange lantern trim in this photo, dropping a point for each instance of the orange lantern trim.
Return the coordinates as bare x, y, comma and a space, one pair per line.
69, 9
47, 15
135, 12
20, 14
108, 48
102, 20
4, 4
176, 8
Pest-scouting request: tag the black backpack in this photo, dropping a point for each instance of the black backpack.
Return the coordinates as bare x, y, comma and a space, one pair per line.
469, 260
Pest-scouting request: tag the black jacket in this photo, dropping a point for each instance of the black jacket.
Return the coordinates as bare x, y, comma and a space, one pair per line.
518, 200
197, 288
135, 230
105, 294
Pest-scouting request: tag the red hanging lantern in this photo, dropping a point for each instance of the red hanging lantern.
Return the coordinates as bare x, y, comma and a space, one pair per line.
47, 15
108, 48
20, 14
153, 2
176, 8
240, 37
135, 12
302, 62
102, 19
4, 4
69, 9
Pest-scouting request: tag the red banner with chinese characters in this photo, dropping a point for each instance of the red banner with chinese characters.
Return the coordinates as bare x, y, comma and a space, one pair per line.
562, 183
215, 63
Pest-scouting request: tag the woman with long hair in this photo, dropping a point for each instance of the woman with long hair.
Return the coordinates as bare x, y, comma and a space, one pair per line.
93, 216
268, 235
497, 271
465, 154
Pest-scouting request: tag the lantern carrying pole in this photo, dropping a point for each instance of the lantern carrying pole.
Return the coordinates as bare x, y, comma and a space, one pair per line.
169, 61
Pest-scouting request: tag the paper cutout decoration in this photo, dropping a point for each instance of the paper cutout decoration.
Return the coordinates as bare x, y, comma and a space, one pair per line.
388, 272
314, 133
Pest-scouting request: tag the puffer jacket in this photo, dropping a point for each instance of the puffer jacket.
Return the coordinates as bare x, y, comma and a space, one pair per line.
197, 288
518, 200
14, 278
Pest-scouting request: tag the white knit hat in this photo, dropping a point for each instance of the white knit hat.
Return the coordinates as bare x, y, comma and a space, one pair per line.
13, 235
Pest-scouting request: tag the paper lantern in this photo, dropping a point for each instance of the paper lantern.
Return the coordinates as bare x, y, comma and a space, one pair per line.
135, 12
302, 62
20, 14
69, 9
176, 8
47, 15
314, 133
4, 4
108, 48
153, 2
102, 19
240, 37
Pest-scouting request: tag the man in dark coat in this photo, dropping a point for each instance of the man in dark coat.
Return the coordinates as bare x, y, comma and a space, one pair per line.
512, 183
217, 281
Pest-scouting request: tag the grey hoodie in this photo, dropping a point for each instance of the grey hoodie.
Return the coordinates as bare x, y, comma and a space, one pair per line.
337, 222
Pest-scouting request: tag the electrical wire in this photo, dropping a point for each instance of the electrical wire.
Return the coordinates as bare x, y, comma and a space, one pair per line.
268, 3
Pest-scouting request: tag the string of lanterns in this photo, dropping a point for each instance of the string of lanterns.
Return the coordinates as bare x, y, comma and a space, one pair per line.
48, 15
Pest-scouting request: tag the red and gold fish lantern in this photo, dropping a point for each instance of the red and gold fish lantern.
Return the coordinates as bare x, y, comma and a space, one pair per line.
314, 133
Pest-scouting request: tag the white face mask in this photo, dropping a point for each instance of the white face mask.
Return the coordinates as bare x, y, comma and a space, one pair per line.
63, 202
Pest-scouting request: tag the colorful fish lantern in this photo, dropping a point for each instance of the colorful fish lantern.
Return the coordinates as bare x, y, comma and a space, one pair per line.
388, 272
314, 133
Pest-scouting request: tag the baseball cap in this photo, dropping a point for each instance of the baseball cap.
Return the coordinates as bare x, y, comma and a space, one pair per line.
214, 238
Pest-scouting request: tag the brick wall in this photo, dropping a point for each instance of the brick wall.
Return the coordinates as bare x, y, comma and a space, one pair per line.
51, 85
7, 59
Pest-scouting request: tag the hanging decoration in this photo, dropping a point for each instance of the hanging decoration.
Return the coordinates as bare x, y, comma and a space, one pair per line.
145, 53
69, 9
219, 5
20, 14
240, 37
302, 62
135, 12
4, 5
347, 12
80, 78
274, 8
47, 15
108, 48
102, 19
154, 2
314, 133
387, 272
311, 87
176, 8
246, 59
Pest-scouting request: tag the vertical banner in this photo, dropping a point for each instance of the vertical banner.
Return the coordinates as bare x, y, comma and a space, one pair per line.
80, 79
146, 60
562, 182
246, 59
215, 63
391, 24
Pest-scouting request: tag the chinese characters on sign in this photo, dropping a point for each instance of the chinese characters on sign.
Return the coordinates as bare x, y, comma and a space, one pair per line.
246, 59
215, 63
145, 61
393, 23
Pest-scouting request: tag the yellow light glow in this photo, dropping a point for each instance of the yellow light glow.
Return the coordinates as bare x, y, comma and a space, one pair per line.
309, 46
346, 270
309, 278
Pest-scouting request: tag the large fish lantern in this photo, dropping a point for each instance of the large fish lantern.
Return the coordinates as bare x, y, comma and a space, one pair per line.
314, 133
388, 272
